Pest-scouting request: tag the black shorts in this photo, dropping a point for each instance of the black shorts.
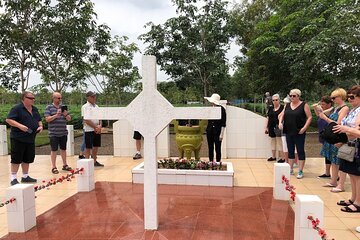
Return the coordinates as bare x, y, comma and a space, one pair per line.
22, 152
92, 140
137, 135
55, 142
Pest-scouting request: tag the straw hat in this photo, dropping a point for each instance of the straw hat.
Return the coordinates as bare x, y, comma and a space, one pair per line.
215, 98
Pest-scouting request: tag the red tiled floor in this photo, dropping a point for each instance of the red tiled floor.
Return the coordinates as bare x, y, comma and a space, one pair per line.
115, 211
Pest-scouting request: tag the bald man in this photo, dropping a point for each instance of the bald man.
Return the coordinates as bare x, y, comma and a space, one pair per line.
56, 115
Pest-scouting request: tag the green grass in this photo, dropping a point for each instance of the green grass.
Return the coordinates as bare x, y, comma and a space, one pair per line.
41, 138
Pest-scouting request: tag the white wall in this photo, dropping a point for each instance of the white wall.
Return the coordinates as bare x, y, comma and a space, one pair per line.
124, 144
245, 137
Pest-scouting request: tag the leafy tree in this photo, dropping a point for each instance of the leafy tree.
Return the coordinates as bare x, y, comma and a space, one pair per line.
191, 48
68, 35
114, 72
311, 45
18, 26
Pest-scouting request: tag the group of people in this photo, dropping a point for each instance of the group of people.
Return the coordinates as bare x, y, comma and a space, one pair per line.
26, 122
343, 119
286, 126
291, 121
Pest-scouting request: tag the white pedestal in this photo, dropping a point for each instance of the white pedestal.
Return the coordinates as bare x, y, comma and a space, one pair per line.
86, 180
70, 141
307, 205
3, 141
279, 191
21, 214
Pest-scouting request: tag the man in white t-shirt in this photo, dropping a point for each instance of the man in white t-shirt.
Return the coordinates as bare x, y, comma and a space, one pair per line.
92, 130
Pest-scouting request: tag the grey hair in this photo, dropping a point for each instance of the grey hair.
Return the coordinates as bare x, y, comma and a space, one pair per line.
276, 96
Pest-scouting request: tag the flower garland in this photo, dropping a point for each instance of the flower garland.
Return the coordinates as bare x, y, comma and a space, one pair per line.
315, 225
61, 179
11, 200
289, 187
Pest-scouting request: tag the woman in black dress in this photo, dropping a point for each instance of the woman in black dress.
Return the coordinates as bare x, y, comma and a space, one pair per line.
215, 129
272, 125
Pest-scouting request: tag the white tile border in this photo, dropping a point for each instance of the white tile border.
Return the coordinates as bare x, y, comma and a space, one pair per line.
192, 177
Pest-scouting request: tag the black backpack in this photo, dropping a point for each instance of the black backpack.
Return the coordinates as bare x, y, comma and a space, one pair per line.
329, 136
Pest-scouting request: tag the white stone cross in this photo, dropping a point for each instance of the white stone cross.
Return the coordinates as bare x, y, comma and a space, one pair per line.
150, 113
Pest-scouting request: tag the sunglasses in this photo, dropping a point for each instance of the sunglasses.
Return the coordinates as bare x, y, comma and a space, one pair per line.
333, 98
31, 98
352, 97
59, 98
293, 95
275, 100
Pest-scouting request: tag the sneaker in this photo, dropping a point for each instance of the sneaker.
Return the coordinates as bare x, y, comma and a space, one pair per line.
281, 161
28, 179
137, 156
97, 164
13, 182
292, 172
324, 176
81, 157
300, 175
271, 159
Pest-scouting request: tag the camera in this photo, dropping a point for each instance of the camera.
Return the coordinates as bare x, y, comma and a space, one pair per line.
64, 108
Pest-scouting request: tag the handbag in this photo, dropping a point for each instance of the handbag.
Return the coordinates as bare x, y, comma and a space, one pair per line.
277, 131
346, 152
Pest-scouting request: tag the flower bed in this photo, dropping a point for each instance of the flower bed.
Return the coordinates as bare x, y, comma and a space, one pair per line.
215, 175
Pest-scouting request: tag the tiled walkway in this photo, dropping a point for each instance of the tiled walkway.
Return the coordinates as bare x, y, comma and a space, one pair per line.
115, 209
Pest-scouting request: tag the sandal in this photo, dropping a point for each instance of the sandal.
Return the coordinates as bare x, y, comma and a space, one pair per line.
54, 170
66, 168
344, 203
350, 210
337, 190
329, 185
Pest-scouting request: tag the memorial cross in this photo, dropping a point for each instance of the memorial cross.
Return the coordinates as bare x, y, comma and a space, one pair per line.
149, 113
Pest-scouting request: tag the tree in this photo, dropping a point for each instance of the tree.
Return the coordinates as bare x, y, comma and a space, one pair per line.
18, 26
114, 72
66, 38
191, 48
311, 45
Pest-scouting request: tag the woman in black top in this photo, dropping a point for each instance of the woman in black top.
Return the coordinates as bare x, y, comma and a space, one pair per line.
215, 129
295, 120
272, 123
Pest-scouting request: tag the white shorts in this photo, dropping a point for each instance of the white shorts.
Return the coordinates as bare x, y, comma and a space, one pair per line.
284, 144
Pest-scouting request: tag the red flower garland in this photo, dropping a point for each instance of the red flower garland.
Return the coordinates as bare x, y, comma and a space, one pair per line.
315, 225
11, 200
61, 179
289, 187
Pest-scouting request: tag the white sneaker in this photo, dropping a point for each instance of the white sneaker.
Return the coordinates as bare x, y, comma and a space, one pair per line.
300, 175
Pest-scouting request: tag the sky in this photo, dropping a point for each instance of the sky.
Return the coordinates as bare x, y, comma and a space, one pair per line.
128, 17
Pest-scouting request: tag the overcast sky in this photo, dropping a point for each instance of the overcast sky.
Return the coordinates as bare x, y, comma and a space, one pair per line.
128, 17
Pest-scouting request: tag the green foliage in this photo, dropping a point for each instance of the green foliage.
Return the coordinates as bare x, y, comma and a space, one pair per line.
310, 45
18, 26
114, 74
65, 38
191, 47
